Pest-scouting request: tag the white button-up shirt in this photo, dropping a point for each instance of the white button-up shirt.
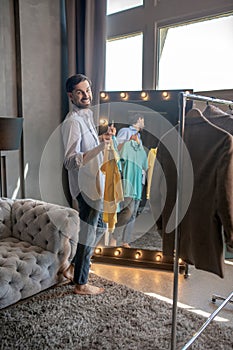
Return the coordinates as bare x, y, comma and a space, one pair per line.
79, 137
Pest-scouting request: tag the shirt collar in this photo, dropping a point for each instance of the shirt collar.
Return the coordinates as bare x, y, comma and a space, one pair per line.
133, 128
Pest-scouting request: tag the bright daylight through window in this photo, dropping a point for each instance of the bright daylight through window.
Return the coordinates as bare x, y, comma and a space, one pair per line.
114, 6
198, 55
124, 63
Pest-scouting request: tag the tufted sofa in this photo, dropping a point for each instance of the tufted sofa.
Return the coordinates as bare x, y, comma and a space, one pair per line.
37, 242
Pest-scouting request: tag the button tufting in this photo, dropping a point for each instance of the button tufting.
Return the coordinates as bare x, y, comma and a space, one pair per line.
31, 258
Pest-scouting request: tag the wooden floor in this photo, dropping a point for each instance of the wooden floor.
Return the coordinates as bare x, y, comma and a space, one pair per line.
194, 292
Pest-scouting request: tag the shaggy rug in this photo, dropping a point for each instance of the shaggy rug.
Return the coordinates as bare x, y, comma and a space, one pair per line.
150, 240
121, 318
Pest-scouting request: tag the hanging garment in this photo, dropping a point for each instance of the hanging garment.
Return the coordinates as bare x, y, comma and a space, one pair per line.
151, 161
113, 193
219, 118
134, 161
205, 212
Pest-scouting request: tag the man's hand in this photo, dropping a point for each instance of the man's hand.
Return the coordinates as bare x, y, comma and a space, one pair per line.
112, 130
108, 135
135, 138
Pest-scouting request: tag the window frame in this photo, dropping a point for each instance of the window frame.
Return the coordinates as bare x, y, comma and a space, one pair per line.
153, 15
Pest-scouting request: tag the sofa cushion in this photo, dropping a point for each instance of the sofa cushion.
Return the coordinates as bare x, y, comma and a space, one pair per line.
25, 269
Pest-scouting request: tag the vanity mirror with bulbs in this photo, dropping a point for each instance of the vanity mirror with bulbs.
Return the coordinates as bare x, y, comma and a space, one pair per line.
160, 110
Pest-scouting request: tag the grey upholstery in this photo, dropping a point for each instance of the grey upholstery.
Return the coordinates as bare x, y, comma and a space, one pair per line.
37, 242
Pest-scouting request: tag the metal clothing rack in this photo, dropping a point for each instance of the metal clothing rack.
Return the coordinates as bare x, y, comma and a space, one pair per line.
183, 97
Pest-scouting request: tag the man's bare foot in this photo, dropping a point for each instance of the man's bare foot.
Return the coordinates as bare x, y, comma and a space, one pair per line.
125, 245
69, 273
87, 289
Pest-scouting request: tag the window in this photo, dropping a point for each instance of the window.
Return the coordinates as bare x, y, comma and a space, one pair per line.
124, 63
198, 55
114, 6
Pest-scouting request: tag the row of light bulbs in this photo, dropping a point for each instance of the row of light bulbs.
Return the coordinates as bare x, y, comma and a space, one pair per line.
125, 95
138, 255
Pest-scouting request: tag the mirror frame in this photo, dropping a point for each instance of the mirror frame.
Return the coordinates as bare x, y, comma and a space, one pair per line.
166, 102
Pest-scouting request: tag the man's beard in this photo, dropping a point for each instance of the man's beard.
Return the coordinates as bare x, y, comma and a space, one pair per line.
82, 105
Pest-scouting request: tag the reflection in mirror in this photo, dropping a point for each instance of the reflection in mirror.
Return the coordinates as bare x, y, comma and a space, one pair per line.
160, 110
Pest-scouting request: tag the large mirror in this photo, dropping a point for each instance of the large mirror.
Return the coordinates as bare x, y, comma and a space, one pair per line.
160, 110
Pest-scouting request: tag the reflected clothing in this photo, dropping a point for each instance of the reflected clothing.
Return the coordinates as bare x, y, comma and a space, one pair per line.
151, 162
134, 161
125, 220
124, 134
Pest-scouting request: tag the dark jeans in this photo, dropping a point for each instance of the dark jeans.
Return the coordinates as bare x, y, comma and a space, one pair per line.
125, 221
91, 230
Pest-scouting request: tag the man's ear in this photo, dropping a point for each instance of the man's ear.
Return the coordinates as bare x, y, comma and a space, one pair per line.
69, 94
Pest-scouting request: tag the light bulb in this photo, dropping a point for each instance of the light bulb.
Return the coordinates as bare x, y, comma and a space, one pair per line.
143, 94
117, 252
103, 95
158, 257
123, 94
98, 250
165, 95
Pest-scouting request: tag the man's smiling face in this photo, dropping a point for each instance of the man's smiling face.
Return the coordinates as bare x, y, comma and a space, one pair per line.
81, 96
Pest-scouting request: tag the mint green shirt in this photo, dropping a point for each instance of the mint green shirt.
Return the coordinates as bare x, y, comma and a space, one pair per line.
134, 161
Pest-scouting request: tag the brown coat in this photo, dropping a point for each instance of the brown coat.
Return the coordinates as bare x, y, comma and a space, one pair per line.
209, 208
219, 118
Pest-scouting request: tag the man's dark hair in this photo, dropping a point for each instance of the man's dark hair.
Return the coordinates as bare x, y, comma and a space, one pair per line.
74, 80
133, 118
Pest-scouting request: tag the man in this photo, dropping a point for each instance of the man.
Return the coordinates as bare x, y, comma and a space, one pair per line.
83, 159
132, 131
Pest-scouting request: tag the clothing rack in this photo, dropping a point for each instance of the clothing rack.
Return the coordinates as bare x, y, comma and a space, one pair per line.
182, 98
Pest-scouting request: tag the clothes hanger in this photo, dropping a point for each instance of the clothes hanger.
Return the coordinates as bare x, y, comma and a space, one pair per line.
212, 111
194, 112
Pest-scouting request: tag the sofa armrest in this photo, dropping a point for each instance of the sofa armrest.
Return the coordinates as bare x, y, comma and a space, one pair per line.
5, 218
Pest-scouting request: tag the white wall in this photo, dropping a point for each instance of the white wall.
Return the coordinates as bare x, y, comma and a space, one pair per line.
41, 84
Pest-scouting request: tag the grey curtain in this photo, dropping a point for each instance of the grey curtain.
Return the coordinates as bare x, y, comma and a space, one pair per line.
86, 37
83, 38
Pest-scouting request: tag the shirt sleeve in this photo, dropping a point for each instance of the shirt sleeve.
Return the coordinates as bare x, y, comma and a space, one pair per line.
71, 135
122, 135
